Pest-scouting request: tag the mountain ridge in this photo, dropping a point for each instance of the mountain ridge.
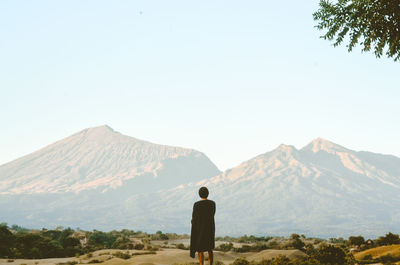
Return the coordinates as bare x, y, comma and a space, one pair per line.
322, 189
95, 157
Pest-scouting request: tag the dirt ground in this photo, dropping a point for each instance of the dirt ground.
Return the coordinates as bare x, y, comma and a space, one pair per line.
164, 256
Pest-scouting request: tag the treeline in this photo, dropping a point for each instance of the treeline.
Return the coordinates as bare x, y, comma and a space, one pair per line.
301, 242
18, 242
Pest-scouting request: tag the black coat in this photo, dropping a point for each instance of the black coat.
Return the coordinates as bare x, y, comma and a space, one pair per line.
202, 237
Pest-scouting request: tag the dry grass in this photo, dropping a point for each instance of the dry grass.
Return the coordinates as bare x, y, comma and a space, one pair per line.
163, 256
377, 252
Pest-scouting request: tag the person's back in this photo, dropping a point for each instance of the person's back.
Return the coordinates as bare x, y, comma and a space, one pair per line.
203, 227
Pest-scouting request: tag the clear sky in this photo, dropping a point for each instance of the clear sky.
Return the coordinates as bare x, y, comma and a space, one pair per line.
232, 79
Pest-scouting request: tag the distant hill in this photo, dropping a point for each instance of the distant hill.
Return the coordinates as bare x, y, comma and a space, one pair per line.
393, 250
323, 189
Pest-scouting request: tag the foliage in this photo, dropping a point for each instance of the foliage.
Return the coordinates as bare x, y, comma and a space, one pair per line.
122, 242
102, 239
224, 247
18, 242
356, 241
245, 239
122, 255
95, 261
339, 240
181, 246
388, 259
373, 23
330, 254
240, 261
388, 239
143, 253
296, 242
251, 248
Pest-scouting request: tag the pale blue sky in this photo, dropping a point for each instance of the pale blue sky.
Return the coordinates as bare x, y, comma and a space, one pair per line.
232, 79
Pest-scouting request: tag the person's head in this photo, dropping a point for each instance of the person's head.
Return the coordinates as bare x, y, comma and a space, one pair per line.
203, 192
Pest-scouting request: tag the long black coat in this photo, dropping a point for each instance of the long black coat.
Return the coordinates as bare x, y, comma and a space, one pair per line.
202, 237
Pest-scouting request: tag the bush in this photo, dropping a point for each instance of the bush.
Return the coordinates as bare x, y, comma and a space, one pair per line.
330, 254
121, 255
251, 248
241, 261
388, 239
296, 242
224, 247
138, 246
181, 246
95, 261
280, 260
356, 241
368, 257
388, 259
144, 253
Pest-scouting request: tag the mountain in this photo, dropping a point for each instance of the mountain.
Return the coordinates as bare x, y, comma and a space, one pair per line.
102, 159
322, 189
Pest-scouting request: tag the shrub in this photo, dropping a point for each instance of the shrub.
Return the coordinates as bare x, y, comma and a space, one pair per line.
251, 248
330, 254
367, 257
95, 261
225, 247
356, 241
138, 246
180, 246
241, 261
388, 239
144, 253
388, 259
280, 260
121, 255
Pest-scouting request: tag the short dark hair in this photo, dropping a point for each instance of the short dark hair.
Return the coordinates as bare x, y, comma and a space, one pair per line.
203, 192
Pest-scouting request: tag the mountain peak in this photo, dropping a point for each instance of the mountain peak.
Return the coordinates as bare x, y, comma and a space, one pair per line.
101, 158
99, 132
285, 148
104, 127
321, 144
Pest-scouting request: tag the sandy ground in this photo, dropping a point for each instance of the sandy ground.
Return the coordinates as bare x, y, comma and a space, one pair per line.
162, 257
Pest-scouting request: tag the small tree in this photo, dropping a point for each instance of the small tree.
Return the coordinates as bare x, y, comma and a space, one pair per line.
296, 242
388, 239
356, 241
6, 241
330, 254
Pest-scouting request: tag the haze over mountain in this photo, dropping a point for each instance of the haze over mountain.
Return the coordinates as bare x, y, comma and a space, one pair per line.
100, 158
323, 189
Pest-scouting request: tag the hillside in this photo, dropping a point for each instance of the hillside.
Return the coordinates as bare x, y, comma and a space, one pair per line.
102, 159
322, 189
393, 250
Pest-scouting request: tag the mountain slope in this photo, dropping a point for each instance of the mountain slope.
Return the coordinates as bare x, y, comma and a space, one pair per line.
100, 158
323, 189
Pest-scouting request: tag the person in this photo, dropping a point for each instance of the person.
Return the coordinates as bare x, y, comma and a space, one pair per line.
202, 236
